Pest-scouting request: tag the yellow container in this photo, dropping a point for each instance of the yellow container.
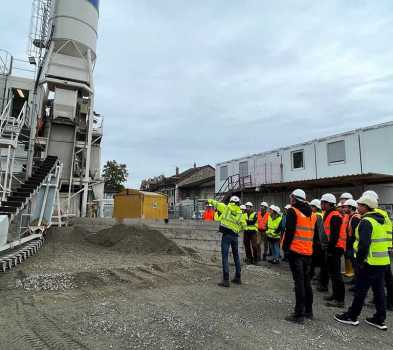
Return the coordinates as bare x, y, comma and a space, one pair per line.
133, 204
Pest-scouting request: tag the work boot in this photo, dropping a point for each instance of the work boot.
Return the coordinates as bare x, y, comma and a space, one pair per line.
237, 280
329, 298
335, 303
275, 261
309, 315
224, 283
295, 318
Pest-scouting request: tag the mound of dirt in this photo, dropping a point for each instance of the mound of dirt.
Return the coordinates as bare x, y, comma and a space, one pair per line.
134, 239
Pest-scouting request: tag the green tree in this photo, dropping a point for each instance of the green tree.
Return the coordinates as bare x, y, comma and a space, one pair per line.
115, 175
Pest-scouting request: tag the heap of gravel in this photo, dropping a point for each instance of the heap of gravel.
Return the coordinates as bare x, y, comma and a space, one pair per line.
134, 239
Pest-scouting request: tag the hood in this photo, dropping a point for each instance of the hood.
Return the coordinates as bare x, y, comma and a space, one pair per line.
304, 208
234, 207
376, 216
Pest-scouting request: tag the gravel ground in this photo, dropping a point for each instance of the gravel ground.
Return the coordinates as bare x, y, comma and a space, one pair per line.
76, 295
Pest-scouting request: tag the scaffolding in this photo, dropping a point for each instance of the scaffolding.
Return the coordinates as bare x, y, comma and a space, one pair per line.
40, 30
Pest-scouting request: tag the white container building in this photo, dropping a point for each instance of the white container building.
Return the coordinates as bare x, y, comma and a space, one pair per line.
352, 161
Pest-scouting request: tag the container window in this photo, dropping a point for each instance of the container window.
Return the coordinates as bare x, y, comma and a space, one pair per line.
243, 169
223, 173
298, 159
336, 152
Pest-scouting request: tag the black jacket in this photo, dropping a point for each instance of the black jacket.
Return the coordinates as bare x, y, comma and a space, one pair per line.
290, 226
351, 240
335, 226
365, 233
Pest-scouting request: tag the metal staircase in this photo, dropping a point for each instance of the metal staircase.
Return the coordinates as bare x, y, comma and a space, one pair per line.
25, 209
18, 199
233, 184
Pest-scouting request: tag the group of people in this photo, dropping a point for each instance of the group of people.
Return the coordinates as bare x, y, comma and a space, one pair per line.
316, 234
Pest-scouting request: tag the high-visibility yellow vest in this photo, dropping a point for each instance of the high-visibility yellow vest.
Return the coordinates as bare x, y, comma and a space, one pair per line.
272, 226
379, 249
253, 227
217, 216
387, 225
232, 216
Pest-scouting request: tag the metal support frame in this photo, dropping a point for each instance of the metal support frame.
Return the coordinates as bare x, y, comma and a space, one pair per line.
10, 129
89, 139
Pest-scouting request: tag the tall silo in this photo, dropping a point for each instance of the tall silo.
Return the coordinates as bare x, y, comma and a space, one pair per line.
67, 74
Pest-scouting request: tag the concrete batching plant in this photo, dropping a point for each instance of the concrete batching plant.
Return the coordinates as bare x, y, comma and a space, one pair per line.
50, 135
64, 48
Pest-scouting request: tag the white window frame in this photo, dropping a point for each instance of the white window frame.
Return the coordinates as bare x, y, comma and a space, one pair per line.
293, 160
227, 171
327, 153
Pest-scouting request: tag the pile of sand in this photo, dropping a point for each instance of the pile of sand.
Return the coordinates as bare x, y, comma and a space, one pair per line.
134, 239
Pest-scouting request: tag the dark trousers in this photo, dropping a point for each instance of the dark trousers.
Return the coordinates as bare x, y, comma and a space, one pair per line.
370, 276
389, 286
266, 245
230, 240
316, 259
250, 241
300, 266
334, 266
324, 274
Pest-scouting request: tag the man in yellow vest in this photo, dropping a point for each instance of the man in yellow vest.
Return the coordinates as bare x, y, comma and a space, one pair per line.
389, 228
250, 239
372, 258
320, 242
231, 224
273, 233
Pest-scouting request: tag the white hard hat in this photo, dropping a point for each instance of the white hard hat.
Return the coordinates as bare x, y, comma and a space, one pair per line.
299, 194
316, 203
288, 206
249, 204
235, 199
371, 194
370, 201
243, 207
330, 198
351, 203
346, 195
275, 209
264, 204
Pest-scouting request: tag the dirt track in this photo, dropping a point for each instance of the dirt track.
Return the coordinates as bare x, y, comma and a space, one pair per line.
77, 295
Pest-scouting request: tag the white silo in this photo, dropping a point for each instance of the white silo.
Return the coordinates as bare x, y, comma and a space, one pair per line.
75, 20
67, 72
74, 24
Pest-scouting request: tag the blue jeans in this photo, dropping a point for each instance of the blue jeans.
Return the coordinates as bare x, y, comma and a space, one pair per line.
275, 245
230, 240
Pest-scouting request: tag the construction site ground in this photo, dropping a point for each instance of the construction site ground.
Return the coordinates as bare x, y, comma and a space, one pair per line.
89, 291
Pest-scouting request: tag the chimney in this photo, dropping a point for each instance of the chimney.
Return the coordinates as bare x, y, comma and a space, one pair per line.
177, 171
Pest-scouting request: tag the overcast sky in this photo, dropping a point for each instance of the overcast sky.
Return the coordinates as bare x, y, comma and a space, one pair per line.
206, 81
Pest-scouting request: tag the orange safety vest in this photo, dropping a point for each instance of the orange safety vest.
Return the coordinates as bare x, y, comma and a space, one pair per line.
303, 239
349, 228
262, 221
208, 215
342, 239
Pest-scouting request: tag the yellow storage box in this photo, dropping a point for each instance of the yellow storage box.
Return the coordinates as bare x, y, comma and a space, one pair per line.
133, 204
